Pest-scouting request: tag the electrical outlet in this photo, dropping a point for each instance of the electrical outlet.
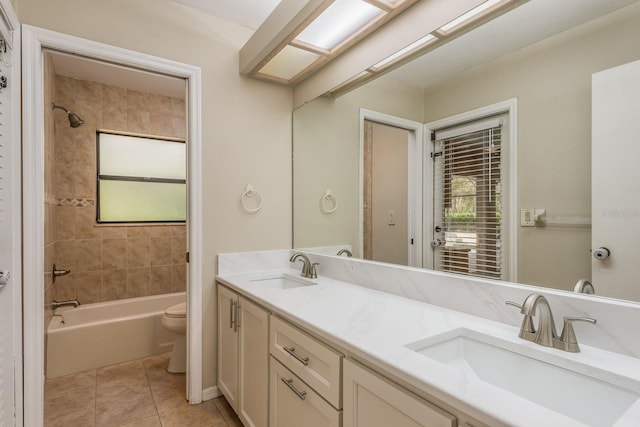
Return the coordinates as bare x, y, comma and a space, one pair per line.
391, 218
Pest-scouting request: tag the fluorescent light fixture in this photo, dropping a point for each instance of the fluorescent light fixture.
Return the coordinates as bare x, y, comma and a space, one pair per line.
469, 15
289, 62
338, 22
404, 51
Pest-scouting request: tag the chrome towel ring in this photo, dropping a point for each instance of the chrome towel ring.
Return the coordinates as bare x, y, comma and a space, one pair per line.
249, 193
329, 202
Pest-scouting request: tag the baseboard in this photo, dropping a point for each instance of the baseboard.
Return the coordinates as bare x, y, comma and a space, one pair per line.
210, 393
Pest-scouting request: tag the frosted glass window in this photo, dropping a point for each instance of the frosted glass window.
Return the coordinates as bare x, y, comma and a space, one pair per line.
289, 62
141, 179
339, 21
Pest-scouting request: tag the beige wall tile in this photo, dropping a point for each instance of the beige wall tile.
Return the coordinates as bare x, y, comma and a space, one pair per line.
138, 121
160, 250
179, 278
178, 249
138, 252
65, 254
49, 223
65, 91
114, 285
65, 222
89, 287
65, 287
160, 124
160, 231
160, 280
88, 255
138, 282
85, 219
49, 258
88, 91
86, 148
114, 108
114, 254
91, 113
136, 231
86, 181
178, 108
114, 232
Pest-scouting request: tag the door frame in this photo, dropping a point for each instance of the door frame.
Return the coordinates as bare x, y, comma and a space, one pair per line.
9, 17
415, 188
510, 186
34, 41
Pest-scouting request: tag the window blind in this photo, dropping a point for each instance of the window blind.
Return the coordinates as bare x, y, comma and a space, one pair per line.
467, 205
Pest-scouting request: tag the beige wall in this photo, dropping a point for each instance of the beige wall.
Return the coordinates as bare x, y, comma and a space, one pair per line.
110, 262
326, 154
552, 82
246, 124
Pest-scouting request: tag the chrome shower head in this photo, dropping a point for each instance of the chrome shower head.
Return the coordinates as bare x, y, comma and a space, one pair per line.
74, 120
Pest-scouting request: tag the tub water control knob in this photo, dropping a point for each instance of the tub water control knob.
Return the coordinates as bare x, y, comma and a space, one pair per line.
601, 253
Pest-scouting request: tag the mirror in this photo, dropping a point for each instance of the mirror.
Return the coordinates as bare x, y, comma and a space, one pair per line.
546, 63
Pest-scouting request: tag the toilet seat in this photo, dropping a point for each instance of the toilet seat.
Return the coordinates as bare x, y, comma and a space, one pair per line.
177, 311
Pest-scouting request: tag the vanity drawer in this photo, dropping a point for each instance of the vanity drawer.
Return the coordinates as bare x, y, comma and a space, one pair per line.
315, 363
293, 403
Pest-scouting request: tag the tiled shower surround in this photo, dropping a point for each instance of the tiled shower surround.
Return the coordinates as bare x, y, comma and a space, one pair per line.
107, 262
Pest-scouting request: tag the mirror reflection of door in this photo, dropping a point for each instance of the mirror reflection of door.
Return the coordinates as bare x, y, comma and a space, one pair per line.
386, 179
467, 235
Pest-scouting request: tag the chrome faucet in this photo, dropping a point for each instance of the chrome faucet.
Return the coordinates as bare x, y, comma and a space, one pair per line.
308, 269
545, 334
347, 252
584, 286
57, 304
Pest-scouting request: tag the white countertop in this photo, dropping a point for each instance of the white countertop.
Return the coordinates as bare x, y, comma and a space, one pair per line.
376, 326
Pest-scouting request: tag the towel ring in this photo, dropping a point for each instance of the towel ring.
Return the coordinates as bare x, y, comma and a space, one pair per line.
249, 192
328, 197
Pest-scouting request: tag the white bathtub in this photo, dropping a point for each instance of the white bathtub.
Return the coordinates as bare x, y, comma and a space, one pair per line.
97, 335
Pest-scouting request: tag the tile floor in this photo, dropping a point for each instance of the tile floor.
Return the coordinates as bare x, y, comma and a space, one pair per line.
133, 394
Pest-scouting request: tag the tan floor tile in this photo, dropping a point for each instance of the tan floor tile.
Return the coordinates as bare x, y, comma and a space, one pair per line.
83, 418
120, 388
71, 382
194, 415
168, 392
60, 404
224, 408
158, 362
125, 408
144, 422
122, 372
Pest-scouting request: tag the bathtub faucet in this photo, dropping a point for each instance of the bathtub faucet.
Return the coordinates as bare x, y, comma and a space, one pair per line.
73, 302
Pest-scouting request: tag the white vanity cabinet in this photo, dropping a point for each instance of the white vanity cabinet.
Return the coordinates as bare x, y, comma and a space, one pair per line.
371, 400
243, 356
305, 383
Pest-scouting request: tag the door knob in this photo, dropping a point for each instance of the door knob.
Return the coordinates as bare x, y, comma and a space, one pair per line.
4, 277
601, 253
438, 242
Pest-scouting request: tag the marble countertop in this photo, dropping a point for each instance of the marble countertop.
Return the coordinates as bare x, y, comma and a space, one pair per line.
377, 326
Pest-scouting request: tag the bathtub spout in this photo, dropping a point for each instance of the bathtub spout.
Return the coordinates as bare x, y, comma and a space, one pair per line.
73, 302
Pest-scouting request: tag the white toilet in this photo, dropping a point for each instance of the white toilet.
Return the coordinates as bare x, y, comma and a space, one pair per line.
175, 320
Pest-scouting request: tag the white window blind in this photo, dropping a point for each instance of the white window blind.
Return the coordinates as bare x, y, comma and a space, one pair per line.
468, 194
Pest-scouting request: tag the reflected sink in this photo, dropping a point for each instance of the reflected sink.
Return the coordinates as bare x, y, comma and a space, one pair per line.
520, 370
282, 281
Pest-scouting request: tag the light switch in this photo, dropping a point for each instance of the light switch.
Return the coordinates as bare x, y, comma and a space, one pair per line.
526, 217
391, 218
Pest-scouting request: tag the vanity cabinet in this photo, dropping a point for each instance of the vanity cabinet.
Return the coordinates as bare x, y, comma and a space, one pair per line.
371, 400
243, 357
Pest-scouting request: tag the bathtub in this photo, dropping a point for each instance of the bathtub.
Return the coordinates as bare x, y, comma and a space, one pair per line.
96, 335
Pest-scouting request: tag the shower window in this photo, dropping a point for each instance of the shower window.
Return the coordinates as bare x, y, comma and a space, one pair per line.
140, 179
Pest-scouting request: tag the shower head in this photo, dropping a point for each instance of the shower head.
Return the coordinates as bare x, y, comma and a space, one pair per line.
74, 120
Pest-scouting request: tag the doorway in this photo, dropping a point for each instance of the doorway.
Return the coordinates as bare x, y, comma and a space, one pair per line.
390, 189
35, 42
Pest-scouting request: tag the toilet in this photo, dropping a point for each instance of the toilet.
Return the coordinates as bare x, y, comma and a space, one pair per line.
175, 320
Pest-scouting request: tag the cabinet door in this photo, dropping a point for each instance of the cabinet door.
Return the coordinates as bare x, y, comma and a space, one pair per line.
293, 403
253, 400
372, 401
228, 345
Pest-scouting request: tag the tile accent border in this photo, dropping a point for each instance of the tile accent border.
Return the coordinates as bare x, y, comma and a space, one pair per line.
76, 203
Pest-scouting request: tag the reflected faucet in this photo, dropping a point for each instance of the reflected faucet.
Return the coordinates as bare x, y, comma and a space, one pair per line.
345, 251
308, 269
584, 286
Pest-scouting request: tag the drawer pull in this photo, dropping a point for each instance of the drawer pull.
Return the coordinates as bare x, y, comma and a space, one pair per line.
231, 307
300, 394
292, 352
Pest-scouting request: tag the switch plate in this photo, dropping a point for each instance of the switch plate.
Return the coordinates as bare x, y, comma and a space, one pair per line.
526, 217
391, 218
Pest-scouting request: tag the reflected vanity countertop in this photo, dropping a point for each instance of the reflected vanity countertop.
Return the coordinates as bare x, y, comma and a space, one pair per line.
377, 327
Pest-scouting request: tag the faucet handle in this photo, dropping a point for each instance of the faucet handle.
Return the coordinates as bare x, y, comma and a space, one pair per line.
568, 339
527, 321
313, 273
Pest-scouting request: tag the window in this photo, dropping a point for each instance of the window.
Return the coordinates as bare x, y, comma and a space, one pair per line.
468, 199
141, 179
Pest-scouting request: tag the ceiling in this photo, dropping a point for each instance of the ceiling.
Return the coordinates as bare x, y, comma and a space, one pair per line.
529, 23
248, 13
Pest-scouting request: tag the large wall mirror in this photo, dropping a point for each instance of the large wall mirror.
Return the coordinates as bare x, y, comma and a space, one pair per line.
534, 64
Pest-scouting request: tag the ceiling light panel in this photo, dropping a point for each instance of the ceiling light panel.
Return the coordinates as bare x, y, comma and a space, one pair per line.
338, 22
289, 62
402, 53
469, 15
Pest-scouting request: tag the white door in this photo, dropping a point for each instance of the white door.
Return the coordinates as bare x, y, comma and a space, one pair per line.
10, 238
615, 205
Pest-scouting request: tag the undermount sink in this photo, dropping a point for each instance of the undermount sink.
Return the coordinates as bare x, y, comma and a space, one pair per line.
282, 281
520, 370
